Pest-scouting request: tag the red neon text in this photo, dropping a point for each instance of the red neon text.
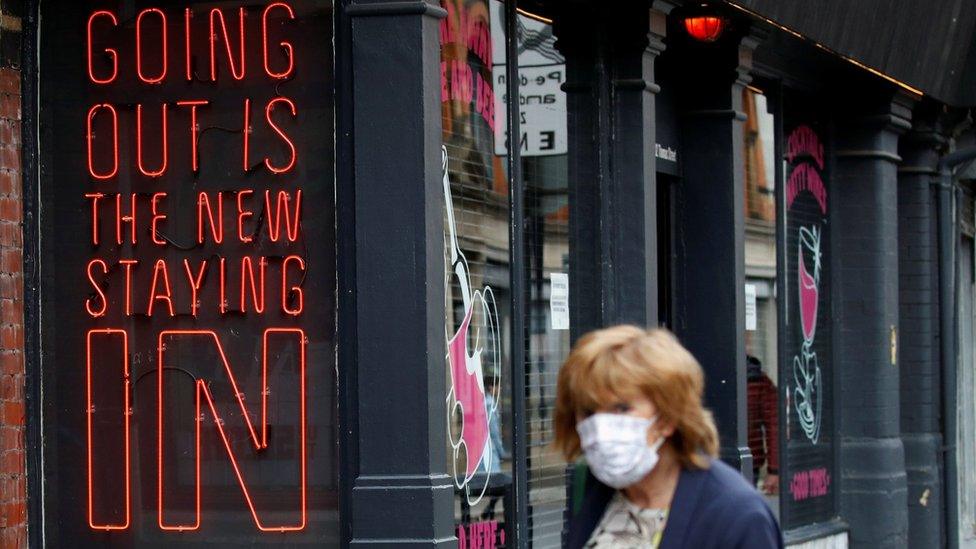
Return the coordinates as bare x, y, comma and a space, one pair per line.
150, 70
111, 53
217, 16
259, 441
291, 146
91, 142
164, 138
91, 410
249, 276
162, 36
290, 52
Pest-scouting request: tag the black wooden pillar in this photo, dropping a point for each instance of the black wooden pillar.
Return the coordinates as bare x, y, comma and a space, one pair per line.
610, 94
918, 311
395, 426
709, 231
865, 270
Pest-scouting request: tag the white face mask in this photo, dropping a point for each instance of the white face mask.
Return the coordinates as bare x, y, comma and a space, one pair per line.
616, 449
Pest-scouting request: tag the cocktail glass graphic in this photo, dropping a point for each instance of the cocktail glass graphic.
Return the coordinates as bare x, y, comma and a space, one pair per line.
807, 395
466, 354
808, 283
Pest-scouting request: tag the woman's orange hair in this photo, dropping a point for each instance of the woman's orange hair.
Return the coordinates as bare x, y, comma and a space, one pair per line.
623, 362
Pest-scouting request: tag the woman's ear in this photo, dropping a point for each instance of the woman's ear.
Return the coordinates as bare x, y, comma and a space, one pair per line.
665, 428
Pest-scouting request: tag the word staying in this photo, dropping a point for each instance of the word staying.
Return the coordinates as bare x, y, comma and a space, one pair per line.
159, 297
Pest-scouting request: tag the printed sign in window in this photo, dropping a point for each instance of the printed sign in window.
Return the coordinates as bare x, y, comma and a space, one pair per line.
542, 103
559, 301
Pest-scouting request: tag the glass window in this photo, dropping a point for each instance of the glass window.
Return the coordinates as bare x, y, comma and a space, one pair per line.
478, 228
543, 147
762, 406
477, 267
187, 243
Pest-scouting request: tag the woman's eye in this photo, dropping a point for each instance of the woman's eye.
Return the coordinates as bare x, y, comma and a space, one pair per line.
621, 407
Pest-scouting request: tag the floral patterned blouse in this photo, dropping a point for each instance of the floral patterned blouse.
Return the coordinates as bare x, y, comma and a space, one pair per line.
627, 526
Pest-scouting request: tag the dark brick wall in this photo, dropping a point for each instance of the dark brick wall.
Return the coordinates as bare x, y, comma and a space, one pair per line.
918, 317
918, 293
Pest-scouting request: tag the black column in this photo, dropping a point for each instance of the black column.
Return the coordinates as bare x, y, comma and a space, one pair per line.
709, 210
610, 94
918, 310
865, 282
395, 426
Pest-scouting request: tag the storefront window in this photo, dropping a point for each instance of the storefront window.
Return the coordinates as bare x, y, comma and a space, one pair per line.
188, 287
477, 267
477, 145
808, 470
760, 266
542, 110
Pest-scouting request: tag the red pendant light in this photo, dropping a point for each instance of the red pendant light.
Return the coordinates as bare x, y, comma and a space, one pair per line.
705, 28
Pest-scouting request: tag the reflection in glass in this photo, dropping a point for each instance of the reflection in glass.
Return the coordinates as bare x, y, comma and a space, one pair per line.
762, 398
477, 259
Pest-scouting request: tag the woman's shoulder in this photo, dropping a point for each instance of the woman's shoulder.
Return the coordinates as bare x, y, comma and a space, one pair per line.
723, 489
737, 515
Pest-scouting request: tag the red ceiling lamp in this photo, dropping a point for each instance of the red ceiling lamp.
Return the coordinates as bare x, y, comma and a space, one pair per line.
705, 28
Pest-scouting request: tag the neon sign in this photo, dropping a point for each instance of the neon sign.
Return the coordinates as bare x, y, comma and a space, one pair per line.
195, 275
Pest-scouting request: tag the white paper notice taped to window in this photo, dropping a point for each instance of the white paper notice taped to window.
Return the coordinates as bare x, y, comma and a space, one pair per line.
559, 301
751, 307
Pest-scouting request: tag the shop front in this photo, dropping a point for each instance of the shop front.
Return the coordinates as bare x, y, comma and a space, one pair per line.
304, 272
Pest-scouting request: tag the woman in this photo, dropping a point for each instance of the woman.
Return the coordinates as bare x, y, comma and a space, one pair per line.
630, 401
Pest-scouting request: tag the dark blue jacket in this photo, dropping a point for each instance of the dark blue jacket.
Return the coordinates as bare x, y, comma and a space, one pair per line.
711, 508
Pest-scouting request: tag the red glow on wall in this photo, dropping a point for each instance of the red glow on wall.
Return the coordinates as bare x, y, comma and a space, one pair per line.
98, 289
164, 138
291, 146
163, 32
705, 28
112, 53
292, 219
259, 442
90, 410
91, 142
194, 129
284, 45
217, 16
294, 290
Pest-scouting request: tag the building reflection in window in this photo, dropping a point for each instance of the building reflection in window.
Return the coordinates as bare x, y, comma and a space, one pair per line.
760, 267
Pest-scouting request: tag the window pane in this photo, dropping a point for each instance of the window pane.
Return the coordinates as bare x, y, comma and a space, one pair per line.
543, 145
763, 403
477, 259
